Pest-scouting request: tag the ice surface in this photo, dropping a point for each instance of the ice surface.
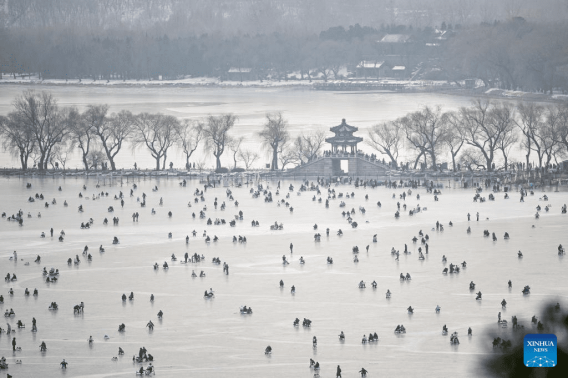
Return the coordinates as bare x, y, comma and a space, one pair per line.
209, 338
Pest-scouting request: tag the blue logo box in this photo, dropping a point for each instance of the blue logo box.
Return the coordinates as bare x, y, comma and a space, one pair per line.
540, 350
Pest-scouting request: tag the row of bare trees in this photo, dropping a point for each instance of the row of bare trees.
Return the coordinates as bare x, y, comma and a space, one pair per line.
285, 149
483, 132
39, 130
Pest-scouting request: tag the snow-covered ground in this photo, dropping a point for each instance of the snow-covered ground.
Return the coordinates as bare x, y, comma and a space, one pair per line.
197, 81
524, 95
211, 81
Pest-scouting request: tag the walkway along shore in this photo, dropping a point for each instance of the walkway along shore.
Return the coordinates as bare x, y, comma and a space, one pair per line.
463, 179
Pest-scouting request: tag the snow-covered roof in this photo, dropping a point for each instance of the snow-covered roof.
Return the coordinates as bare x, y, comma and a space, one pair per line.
395, 38
370, 64
240, 70
398, 68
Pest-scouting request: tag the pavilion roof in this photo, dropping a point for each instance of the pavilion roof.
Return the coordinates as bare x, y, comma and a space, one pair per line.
343, 127
344, 139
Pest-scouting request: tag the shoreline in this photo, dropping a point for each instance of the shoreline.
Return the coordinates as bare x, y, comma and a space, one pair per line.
184, 83
462, 179
338, 86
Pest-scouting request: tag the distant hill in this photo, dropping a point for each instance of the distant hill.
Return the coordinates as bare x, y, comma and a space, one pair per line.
184, 17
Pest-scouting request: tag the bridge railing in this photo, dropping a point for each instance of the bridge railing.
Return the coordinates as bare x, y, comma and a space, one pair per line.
344, 155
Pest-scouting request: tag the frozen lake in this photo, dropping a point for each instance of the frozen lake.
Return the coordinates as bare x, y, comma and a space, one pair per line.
304, 109
210, 338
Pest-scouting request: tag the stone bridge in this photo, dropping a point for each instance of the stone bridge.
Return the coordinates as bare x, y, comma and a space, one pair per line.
341, 165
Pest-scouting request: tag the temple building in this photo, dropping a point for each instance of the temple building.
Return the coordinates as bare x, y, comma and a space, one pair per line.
344, 138
343, 160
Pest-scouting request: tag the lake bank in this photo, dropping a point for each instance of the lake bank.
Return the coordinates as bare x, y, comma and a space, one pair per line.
354, 85
447, 179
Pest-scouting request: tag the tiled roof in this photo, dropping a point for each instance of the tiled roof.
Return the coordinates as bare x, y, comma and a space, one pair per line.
395, 38
240, 70
343, 127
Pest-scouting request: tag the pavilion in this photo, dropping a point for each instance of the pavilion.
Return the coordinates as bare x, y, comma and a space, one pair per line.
344, 138
343, 159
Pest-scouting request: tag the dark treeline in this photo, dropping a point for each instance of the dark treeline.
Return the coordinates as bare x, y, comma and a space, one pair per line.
235, 17
517, 54
138, 55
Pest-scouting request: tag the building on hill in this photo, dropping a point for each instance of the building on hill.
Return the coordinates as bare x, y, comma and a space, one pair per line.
401, 50
372, 69
399, 72
396, 38
240, 74
396, 44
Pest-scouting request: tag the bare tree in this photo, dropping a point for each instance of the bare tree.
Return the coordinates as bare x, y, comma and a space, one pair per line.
60, 154
425, 130
555, 120
542, 127
17, 138
234, 145
287, 155
308, 145
386, 139
96, 158
483, 130
200, 165
273, 134
216, 134
248, 157
503, 119
48, 124
114, 132
332, 58
189, 134
157, 132
529, 119
562, 135
472, 158
297, 148
454, 135
83, 131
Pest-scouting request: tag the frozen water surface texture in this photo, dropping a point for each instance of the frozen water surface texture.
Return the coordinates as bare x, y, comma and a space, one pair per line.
210, 338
